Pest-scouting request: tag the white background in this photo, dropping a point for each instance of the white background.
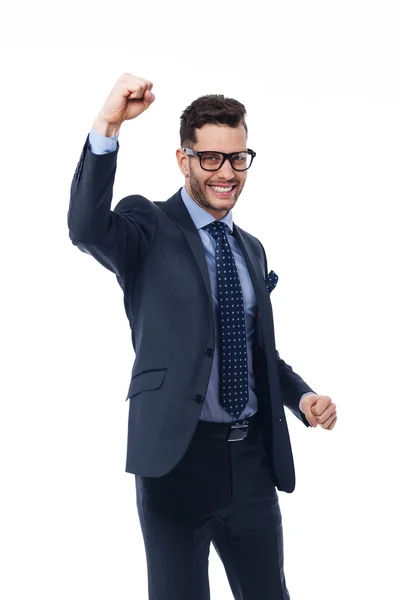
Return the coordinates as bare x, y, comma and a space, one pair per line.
320, 81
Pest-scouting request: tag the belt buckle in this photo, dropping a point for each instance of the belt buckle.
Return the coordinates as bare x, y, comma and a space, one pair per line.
238, 431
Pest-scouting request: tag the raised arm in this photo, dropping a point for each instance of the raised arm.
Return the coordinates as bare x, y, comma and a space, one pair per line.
117, 239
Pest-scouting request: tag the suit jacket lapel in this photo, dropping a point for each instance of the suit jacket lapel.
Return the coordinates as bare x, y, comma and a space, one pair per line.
177, 211
259, 285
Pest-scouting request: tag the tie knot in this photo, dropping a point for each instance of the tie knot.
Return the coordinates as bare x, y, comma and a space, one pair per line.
217, 229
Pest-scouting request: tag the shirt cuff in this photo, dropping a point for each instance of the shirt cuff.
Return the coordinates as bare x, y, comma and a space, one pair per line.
100, 144
306, 395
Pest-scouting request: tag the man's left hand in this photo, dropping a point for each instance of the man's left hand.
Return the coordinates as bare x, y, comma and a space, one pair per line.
319, 410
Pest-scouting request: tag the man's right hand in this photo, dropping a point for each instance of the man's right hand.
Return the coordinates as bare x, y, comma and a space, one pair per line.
127, 100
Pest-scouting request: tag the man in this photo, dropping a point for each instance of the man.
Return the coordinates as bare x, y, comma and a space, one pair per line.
207, 435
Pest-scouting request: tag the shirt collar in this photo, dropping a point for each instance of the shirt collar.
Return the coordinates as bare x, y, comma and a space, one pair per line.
201, 217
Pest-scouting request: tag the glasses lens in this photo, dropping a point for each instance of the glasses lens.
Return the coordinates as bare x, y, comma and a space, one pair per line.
211, 160
241, 161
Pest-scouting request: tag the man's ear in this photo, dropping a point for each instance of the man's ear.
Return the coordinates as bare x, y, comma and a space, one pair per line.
183, 161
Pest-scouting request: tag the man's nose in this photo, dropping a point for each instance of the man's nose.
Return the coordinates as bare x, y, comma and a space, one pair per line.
226, 171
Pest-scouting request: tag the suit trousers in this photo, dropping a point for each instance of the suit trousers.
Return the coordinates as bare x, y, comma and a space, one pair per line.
221, 492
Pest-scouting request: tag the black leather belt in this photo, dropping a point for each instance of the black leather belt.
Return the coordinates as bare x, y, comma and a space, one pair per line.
231, 432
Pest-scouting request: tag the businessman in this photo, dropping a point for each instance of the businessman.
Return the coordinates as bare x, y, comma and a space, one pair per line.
208, 440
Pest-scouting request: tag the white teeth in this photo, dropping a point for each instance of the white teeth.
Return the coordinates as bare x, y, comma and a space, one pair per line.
221, 189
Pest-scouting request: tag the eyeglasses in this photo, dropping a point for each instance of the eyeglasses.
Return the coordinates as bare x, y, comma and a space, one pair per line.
212, 161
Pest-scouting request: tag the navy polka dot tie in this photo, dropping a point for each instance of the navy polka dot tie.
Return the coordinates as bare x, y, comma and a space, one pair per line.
234, 393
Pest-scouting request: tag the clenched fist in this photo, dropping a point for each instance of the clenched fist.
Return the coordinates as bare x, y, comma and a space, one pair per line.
319, 410
129, 97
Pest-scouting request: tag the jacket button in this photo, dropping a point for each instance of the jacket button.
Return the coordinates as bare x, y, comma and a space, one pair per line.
210, 352
199, 398
278, 419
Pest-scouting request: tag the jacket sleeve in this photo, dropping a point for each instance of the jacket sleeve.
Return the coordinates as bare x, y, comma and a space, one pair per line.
292, 388
119, 238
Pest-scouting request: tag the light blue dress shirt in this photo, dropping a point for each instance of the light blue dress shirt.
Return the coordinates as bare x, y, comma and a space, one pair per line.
212, 409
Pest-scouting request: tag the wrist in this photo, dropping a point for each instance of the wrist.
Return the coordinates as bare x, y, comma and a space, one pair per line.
105, 128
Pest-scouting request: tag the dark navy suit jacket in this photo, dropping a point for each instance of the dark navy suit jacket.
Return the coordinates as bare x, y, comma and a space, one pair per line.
157, 255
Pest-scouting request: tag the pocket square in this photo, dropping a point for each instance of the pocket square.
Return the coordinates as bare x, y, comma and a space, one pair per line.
271, 281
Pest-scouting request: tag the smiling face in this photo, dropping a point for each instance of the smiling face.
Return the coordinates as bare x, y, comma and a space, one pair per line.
215, 191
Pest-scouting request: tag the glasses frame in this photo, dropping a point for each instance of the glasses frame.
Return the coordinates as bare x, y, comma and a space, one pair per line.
226, 156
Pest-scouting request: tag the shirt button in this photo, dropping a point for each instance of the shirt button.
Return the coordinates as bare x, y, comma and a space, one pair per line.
199, 398
210, 352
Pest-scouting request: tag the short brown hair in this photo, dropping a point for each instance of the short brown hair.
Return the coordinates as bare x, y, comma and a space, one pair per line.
213, 109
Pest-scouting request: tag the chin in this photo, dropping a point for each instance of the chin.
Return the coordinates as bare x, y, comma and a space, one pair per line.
211, 199
223, 204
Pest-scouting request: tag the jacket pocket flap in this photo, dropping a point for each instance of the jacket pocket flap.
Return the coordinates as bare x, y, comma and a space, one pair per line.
147, 380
